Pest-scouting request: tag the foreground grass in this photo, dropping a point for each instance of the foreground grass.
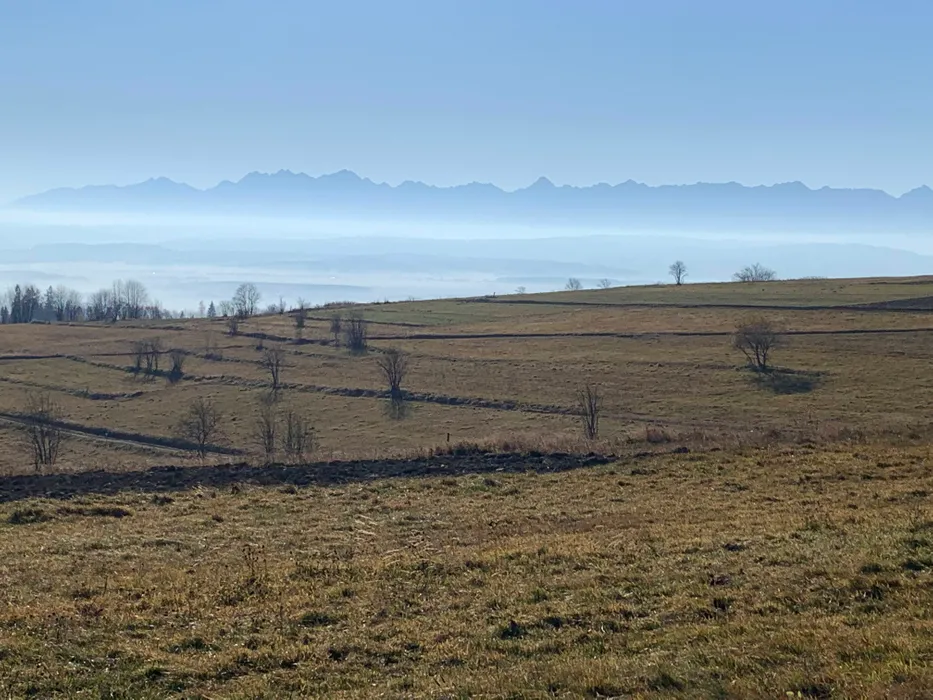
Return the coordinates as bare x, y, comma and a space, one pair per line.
747, 574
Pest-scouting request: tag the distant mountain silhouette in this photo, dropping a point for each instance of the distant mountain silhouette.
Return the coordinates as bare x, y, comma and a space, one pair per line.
787, 206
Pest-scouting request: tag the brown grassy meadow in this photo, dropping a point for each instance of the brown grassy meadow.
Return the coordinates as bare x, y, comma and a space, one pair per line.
773, 537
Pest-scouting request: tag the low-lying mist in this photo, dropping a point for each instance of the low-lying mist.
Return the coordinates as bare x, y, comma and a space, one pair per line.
184, 260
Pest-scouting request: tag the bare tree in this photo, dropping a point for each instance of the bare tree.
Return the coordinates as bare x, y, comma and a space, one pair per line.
246, 300
520, 290
265, 430
178, 357
211, 349
590, 404
200, 424
355, 334
301, 317
756, 338
152, 355
755, 273
573, 285
42, 432
273, 360
678, 271
605, 283
137, 354
336, 327
133, 298
299, 436
233, 325
394, 366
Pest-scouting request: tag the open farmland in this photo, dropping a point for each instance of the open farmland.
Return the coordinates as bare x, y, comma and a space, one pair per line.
728, 534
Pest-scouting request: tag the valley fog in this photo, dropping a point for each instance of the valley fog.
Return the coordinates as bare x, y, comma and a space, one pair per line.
185, 260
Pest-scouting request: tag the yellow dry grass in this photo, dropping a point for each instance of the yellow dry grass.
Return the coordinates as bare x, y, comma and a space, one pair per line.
790, 551
738, 575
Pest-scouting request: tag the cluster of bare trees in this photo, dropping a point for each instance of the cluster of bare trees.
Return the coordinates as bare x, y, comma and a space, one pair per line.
123, 300
245, 302
755, 273
24, 304
355, 332
289, 432
146, 356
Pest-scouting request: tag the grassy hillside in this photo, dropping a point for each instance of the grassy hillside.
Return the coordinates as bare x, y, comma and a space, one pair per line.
486, 369
746, 536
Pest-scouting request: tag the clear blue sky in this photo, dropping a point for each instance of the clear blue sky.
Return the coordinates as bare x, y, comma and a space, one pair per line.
830, 92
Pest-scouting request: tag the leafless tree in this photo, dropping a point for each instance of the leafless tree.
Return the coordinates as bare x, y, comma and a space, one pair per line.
573, 285
211, 349
273, 360
246, 300
299, 436
137, 354
65, 304
233, 325
520, 290
226, 308
755, 273
153, 355
200, 424
178, 358
336, 327
756, 338
133, 298
355, 334
605, 283
101, 306
590, 404
393, 364
42, 432
678, 271
265, 430
301, 317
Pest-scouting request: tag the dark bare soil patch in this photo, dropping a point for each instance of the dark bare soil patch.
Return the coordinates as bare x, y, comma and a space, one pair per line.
173, 478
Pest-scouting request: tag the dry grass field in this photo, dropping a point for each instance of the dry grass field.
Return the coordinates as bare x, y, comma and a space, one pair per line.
745, 535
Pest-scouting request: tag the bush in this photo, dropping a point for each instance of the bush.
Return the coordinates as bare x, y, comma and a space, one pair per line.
299, 436
356, 334
42, 433
590, 404
200, 424
177, 372
755, 273
394, 366
756, 338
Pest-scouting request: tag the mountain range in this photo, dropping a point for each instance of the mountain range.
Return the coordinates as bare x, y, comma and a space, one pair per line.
727, 206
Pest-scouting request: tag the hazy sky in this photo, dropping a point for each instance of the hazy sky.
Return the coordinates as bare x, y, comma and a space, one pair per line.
829, 92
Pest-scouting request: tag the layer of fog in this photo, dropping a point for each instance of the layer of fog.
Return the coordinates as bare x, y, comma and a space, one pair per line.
185, 260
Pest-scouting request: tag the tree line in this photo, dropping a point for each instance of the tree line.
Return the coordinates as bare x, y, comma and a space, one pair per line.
124, 300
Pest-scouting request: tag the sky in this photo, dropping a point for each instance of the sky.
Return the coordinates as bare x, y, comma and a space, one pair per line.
451, 91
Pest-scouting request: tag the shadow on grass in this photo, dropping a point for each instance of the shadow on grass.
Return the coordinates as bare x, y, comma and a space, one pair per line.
779, 380
171, 478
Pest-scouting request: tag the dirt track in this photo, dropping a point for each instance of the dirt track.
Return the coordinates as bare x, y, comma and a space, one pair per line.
173, 478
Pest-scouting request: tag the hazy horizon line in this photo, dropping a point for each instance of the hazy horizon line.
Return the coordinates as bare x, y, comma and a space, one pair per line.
540, 181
